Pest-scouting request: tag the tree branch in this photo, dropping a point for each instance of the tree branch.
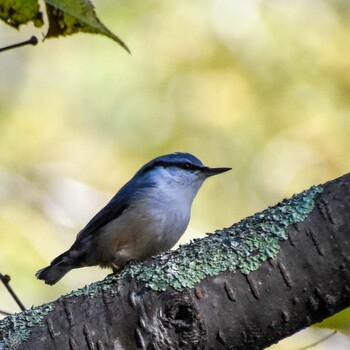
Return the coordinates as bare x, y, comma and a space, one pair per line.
244, 287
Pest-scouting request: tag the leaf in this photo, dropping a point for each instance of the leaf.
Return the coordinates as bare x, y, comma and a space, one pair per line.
17, 12
67, 17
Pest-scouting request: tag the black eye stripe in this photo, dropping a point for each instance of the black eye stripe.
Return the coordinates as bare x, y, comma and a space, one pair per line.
188, 166
185, 166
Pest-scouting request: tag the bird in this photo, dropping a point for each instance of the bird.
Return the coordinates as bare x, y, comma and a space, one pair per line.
146, 217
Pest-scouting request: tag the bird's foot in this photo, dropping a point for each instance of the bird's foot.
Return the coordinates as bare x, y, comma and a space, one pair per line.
117, 268
131, 263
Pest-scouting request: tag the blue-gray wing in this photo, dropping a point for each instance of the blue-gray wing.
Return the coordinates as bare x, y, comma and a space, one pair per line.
117, 205
108, 213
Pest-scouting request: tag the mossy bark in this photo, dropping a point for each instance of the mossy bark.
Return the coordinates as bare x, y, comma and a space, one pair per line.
307, 280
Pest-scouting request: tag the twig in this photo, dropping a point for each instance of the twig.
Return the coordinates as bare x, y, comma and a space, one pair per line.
5, 313
5, 279
318, 341
32, 41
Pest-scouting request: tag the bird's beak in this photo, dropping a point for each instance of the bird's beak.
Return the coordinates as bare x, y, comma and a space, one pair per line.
214, 171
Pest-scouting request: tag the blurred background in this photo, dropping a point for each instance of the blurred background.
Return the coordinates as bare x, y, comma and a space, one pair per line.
260, 86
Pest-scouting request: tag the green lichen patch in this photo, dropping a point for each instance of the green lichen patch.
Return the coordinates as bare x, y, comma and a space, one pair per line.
16, 329
242, 246
92, 290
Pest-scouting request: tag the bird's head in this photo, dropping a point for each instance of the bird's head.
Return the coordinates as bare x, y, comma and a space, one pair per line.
180, 170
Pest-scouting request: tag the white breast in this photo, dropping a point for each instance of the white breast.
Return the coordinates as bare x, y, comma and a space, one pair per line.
152, 224
145, 229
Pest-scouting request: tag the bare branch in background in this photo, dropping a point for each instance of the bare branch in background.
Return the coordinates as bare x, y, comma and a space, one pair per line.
5, 279
32, 41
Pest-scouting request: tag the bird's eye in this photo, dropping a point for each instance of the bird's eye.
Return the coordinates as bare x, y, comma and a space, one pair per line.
187, 166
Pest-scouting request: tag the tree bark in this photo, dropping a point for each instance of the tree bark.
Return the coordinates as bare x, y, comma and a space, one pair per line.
269, 292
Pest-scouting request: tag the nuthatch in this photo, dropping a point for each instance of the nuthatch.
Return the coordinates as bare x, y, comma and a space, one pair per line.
147, 216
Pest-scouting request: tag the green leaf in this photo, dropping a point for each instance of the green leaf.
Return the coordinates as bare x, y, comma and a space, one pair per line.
17, 12
67, 17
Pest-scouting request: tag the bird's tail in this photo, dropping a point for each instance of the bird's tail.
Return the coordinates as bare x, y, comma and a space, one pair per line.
56, 270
